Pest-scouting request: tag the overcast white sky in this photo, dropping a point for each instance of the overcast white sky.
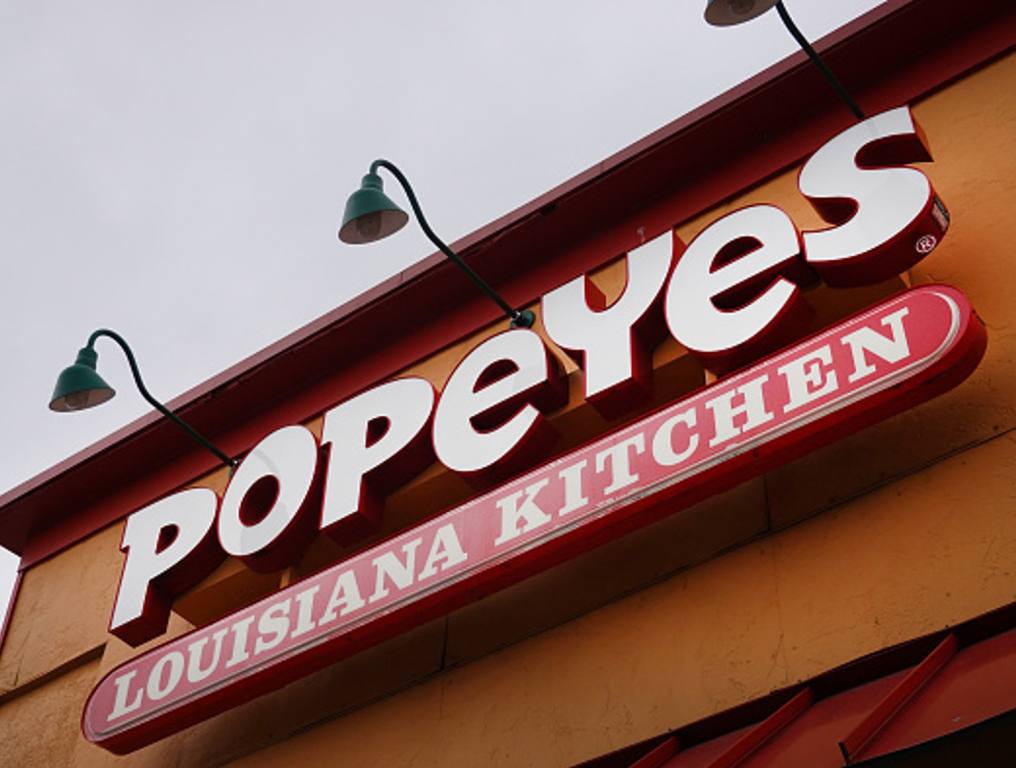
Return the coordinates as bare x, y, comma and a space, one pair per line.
175, 171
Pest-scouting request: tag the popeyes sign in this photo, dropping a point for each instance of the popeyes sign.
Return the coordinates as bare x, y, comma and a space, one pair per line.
732, 294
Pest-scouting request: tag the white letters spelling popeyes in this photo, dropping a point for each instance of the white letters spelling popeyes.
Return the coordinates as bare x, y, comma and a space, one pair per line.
733, 290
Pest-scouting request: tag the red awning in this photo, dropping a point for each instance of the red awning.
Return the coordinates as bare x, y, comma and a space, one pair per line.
934, 701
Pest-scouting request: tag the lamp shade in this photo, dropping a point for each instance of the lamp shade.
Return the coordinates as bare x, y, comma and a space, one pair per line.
726, 13
80, 386
370, 214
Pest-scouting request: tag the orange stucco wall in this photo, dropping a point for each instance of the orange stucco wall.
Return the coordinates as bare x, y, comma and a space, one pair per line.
897, 531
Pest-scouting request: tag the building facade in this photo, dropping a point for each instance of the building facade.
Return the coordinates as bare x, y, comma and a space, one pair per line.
687, 627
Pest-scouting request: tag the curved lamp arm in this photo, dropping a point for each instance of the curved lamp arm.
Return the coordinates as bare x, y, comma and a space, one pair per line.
520, 318
228, 461
817, 60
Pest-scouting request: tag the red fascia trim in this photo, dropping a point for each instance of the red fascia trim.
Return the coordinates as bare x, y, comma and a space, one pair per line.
10, 608
658, 756
894, 54
853, 744
744, 747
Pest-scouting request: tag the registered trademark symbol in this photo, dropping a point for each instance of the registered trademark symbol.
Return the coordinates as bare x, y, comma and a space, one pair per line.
926, 244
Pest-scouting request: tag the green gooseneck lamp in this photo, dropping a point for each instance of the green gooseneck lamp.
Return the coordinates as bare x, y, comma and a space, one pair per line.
371, 215
80, 386
726, 13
